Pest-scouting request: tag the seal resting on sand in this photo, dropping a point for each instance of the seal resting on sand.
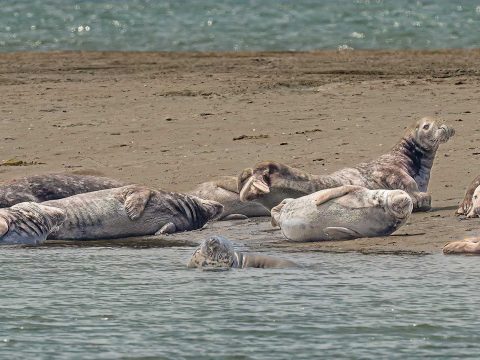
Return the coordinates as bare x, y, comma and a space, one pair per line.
342, 213
218, 252
470, 205
467, 246
131, 210
225, 191
39, 188
406, 167
28, 223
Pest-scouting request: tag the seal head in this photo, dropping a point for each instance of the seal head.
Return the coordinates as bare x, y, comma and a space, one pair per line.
214, 252
429, 135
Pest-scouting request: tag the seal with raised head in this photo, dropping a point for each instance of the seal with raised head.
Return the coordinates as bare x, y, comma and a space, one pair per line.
218, 252
225, 191
131, 210
470, 205
406, 167
342, 213
39, 188
467, 246
28, 223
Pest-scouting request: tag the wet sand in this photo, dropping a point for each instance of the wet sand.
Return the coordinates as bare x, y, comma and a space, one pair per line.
173, 120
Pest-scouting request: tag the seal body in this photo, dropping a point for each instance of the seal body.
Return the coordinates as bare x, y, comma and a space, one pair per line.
218, 252
131, 210
470, 205
342, 213
406, 166
28, 223
224, 190
39, 188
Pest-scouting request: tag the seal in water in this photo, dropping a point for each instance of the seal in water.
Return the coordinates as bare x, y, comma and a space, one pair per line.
406, 167
28, 223
345, 212
467, 246
131, 210
471, 203
225, 191
39, 188
218, 252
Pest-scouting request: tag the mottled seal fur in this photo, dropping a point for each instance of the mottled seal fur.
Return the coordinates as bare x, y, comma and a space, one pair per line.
341, 213
218, 252
131, 210
470, 205
28, 223
225, 191
39, 188
406, 167
467, 246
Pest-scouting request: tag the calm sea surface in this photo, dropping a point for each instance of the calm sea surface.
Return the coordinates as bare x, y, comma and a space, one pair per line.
205, 25
107, 303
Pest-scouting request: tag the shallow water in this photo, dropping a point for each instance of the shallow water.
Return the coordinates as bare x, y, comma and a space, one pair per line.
110, 303
237, 25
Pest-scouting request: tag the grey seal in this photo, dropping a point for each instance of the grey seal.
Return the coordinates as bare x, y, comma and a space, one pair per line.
467, 246
218, 252
342, 213
406, 167
39, 188
470, 205
131, 210
225, 191
28, 223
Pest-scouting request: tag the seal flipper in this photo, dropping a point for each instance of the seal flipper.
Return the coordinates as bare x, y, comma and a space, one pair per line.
3, 227
235, 217
135, 199
168, 228
333, 193
341, 233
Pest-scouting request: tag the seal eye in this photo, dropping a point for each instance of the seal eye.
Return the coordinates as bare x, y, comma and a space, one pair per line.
426, 126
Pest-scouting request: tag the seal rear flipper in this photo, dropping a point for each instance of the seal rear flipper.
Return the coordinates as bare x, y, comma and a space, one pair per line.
3, 227
168, 228
135, 199
333, 193
341, 233
234, 217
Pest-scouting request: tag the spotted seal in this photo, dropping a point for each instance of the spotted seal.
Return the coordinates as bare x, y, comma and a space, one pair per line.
406, 167
341, 213
39, 188
467, 246
225, 191
28, 223
470, 205
131, 210
218, 252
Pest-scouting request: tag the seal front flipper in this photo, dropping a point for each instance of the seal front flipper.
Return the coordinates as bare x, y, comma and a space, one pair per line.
333, 193
3, 227
168, 228
341, 233
135, 199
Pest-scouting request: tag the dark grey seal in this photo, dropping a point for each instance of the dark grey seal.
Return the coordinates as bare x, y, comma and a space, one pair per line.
405, 167
217, 252
28, 223
131, 210
39, 188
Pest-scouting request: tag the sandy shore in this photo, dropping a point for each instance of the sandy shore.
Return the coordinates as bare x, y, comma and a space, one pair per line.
170, 120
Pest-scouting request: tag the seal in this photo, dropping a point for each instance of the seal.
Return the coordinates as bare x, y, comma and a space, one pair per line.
39, 188
131, 210
406, 166
28, 223
470, 205
342, 213
467, 246
218, 252
225, 191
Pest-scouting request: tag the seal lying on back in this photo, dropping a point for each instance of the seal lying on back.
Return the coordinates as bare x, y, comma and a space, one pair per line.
467, 246
225, 191
131, 210
218, 252
342, 213
406, 167
39, 188
28, 223
471, 203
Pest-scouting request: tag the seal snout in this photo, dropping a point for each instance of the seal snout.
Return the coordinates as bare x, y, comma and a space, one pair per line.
400, 204
446, 133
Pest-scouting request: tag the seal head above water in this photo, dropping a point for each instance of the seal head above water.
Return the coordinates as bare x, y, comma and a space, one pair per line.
406, 166
342, 213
